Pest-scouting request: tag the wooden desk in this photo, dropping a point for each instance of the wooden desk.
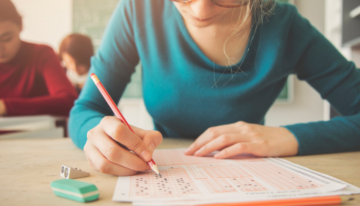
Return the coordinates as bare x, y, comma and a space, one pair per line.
28, 166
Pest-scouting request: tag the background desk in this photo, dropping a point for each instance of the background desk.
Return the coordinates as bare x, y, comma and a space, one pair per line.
28, 166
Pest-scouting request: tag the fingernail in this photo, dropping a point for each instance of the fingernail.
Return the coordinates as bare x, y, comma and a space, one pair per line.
198, 152
146, 155
188, 150
217, 155
151, 146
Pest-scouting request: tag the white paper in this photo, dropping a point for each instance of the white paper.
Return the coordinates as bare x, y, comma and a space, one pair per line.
204, 180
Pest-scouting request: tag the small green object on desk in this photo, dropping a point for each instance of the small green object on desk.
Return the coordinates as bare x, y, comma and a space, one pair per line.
75, 190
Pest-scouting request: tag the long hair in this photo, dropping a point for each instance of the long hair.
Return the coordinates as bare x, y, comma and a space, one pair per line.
261, 10
258, 12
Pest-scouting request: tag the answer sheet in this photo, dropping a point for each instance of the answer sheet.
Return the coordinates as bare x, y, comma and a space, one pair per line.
203, 180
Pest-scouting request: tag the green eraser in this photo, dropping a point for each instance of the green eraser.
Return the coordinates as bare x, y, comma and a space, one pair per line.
75, 190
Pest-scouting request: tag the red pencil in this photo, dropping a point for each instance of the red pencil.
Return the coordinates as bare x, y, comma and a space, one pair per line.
117, 113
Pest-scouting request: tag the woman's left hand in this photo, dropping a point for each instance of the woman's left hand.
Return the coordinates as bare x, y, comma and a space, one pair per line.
242, 137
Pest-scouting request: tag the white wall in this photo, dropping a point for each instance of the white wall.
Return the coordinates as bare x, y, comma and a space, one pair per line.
333, 16
45, 21
307, 104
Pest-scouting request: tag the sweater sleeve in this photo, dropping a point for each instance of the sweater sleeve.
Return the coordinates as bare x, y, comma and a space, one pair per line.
114, 63
337, 80
61, 94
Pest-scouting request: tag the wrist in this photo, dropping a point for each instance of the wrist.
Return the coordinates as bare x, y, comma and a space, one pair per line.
291, 142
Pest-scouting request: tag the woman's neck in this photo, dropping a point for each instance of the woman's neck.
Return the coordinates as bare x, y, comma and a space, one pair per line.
225, 41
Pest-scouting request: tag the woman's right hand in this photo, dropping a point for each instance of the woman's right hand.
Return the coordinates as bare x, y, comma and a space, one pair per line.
105, 155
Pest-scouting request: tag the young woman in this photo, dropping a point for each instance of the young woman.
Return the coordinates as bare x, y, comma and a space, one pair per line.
211, 71
31, 78
75, 51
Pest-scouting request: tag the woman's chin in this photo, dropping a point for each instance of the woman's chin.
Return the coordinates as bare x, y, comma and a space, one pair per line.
199, 23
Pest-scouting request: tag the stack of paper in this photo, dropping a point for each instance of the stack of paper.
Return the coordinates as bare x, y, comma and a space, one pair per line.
29, 127
189, 180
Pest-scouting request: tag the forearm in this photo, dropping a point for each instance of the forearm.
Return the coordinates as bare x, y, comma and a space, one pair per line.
58, 105
340, 134
82, 119
114, 64
337, 80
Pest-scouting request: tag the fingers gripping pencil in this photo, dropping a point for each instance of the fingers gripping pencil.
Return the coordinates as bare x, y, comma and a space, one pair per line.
117, 113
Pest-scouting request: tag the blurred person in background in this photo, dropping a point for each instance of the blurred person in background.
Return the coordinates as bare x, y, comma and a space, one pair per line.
75, 52
32, 81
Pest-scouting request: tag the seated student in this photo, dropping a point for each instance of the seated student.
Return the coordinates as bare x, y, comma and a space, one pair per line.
75, 51
32, 80
211, 70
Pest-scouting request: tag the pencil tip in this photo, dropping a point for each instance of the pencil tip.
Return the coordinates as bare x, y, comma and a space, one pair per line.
155, 169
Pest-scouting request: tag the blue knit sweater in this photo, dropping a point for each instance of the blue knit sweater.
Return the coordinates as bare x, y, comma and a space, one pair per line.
186, 93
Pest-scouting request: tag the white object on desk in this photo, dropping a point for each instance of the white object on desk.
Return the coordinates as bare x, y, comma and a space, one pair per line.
190, 180
27, 123
39, 126
72, 173
48, 133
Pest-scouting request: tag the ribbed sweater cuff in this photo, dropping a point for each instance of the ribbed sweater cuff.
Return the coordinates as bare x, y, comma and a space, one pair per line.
306, 139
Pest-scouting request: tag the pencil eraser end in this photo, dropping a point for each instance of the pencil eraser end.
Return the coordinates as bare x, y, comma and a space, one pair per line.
94, 78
